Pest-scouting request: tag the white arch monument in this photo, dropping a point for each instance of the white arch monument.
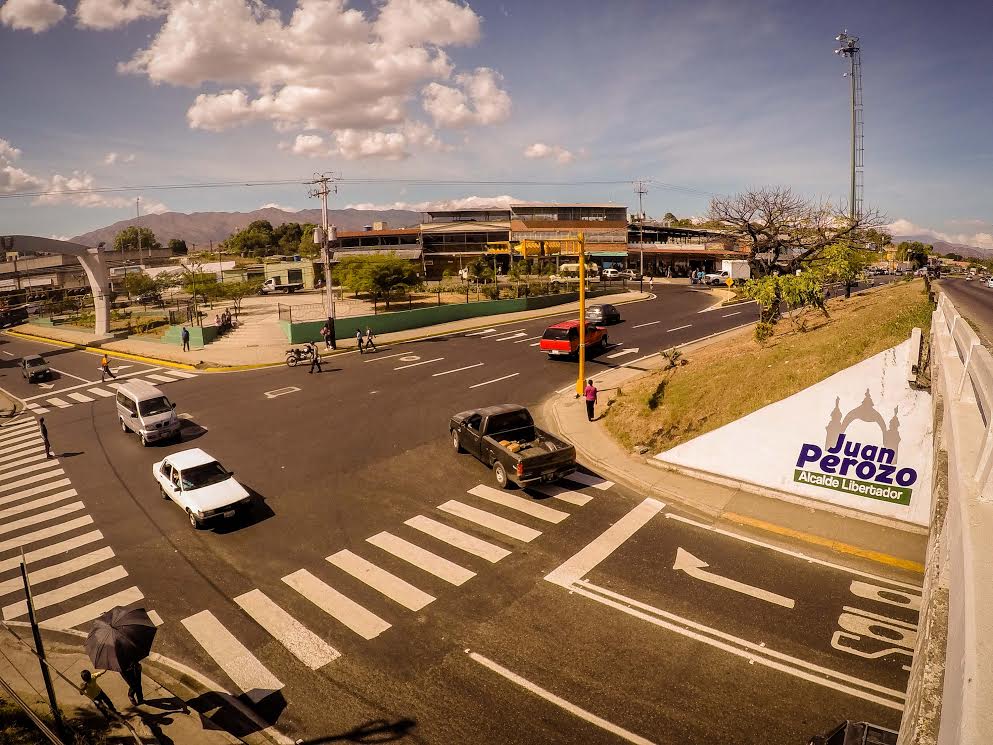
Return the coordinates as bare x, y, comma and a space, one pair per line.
92, 260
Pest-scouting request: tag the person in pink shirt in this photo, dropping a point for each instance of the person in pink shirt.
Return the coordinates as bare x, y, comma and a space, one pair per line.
589, 393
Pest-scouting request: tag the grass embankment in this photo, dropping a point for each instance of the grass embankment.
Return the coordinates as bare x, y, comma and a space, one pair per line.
736, 376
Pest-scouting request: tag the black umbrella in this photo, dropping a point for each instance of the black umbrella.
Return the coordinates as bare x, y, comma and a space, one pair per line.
120, 638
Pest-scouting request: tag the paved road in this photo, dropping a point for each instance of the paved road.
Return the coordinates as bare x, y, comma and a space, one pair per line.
974, 300
378, 575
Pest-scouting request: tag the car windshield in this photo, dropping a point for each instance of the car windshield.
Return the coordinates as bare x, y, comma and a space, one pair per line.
205, 475
556, 334
154, 406
36, 362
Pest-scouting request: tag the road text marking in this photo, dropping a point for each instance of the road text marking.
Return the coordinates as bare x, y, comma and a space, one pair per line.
281, 391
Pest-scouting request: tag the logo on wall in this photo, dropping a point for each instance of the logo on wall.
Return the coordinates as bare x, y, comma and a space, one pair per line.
862, 469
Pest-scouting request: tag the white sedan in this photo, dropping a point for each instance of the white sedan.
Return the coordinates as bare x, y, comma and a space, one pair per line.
200, 485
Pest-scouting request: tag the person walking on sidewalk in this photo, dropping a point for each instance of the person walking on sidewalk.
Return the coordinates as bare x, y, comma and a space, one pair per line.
326, 334
369, 344
92, 690
132, 676
105, 368
44, 437
315, 358
186, 339
358, 339
589, 393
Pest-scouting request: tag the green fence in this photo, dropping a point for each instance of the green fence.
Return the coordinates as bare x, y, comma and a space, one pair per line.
199, 335
385, 323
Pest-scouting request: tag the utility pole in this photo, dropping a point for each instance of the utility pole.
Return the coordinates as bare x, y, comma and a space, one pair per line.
641, 191
580, 382
137, 222
40, 650
850, 49
324, 184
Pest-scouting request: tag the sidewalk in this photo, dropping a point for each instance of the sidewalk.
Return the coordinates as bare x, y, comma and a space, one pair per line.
173, 711
208, 358
836, 529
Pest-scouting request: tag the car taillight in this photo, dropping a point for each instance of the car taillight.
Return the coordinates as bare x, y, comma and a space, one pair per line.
520, 469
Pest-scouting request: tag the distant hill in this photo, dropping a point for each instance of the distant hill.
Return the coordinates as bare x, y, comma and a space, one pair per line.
943, 247
200, 228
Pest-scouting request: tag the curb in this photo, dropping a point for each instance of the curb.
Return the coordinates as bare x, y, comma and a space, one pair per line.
184, 676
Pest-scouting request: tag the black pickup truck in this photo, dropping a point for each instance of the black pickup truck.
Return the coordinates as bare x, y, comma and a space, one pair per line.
504, 437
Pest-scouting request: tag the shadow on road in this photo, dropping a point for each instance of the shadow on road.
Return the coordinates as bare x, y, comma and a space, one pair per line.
259, 512
378, 730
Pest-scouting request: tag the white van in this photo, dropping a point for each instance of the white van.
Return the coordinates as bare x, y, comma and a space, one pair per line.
143, 409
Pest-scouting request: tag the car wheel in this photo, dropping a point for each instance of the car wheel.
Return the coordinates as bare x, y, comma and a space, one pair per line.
144, 441
124, 427
455, 442
500, 474
194, 521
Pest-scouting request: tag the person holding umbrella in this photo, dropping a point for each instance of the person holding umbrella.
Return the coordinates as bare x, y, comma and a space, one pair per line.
119, 640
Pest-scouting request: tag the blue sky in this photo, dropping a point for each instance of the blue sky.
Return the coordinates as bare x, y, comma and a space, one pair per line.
709, 97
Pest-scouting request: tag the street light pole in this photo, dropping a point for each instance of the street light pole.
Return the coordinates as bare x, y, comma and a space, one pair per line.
325, 235
580, 380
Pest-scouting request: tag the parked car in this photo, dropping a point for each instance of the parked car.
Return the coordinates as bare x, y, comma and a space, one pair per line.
610, 273
34, 367
148, 298
715, 278
630, 274
13, 316
855, 733
605, 314
504, 438
562, 339
201, 486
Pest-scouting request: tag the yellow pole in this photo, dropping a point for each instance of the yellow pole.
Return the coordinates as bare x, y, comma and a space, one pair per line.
580, 381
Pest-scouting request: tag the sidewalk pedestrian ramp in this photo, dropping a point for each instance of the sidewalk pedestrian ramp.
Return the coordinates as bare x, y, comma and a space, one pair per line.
472, 528
75, 577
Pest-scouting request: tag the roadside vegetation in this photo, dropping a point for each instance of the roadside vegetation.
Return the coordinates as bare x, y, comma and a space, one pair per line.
16, 728
718, 384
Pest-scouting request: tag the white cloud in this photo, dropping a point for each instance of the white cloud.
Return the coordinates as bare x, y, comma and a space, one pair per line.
903, 227
501, 202
330, 68
77, 190
107, 14
353, 144
311, 146
12, 178
113, 158
274, 206
478, 99
31, 15
8, 153
541, 150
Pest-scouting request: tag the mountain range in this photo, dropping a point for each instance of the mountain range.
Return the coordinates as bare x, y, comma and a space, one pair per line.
200, 228
944, 247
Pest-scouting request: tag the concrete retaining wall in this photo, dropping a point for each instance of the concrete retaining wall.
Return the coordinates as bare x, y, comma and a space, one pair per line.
199, 335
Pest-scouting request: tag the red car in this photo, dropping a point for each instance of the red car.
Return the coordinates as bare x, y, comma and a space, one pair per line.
562, 339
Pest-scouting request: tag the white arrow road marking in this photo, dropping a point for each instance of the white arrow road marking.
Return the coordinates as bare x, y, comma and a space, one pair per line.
477, 333
518, 335
46, 386
622, 353
694, 567
281, 391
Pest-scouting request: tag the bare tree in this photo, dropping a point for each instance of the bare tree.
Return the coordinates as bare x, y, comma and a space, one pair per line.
785, 230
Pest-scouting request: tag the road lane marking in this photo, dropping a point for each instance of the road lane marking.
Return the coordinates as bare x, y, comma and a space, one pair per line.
16, 497
590, 480
495, 380
57, 570
501, 332
301, 642
588, 557
385, 357
396, 589
59, 403
422, 558
32, 479
477, 333
26, 469
37, 409
40, 535
884, 619
9, 354
817, 540
35, 455
536, 344
95, 382
22, 436
23, 450
560, 702
566, 495
52, 549
454, 537
696, 568
530, 338
737, 312
34, 504
66, 592
623, 352
740, 647
422, 362
19, 428
231, 655
457, 369
81, 397
281, 391
70, 375
650, 323
491, 521
101, 392
180, 373
93, 610
162, 378
678, 328
498, 496
518, 335
363, 622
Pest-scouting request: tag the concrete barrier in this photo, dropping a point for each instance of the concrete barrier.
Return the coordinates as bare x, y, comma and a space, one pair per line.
951, 681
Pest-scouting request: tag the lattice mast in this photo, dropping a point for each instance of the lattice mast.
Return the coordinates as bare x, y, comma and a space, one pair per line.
849, 47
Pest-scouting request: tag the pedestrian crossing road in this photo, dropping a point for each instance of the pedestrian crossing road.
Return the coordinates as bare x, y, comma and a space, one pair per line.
85, 393
74, 575
314, 638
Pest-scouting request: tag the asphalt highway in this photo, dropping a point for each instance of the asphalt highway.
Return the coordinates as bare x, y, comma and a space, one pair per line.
346, 598
974, 300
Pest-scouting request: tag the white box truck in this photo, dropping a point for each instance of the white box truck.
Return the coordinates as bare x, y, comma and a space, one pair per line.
736, 269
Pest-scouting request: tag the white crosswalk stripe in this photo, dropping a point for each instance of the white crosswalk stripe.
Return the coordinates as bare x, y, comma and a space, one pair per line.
66, 592
41, 517
231, 656
81, 397
4, 475
38, 576
161, 378
101, 392
181, 373
491, 521
58, 402
35, 456
10, 486
40, 535
52, 549
589, 480
454, 537
437, 565
35, 504
10, 429
390, 585
93, 610
18, 496
526, 506
21, 437
566, 495
363, 622
38, 409
28, 448
302, 643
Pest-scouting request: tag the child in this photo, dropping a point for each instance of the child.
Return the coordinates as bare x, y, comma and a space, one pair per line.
92, 690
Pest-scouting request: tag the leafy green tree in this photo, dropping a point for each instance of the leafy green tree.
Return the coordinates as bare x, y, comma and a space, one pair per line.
138, 283
954, 256
257, 239
178, 247
127, 239
287, 237
390, 275
236, 292
844, 262
790, 292
914, 252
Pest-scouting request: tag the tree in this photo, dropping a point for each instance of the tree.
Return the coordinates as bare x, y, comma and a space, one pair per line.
794, 292
127, 239
390, 274
877, 239
669, 219
914, 252
843, 262
784, 230
238, 291
177, 246
138, 283
954, 256
257, 239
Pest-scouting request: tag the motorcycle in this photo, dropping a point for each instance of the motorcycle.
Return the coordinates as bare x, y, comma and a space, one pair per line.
296, 355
